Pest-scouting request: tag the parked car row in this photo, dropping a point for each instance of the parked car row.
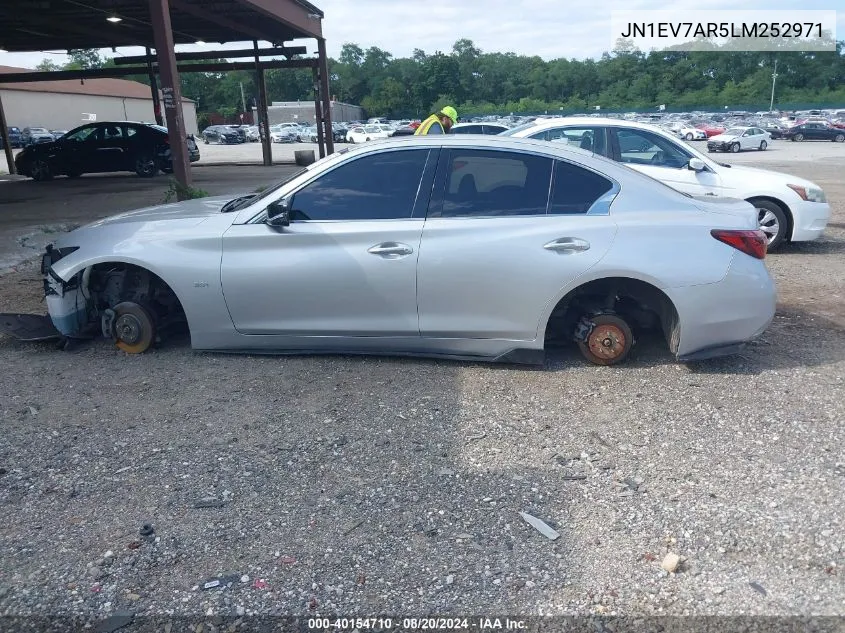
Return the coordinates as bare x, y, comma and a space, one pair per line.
224, 135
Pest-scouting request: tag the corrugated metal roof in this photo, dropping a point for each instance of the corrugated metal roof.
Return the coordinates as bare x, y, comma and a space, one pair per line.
123, 88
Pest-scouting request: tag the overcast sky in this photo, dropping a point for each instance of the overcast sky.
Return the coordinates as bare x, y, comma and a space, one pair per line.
548, 28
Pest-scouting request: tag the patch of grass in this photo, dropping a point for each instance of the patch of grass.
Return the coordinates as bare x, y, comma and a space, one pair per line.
260, 189
176, 191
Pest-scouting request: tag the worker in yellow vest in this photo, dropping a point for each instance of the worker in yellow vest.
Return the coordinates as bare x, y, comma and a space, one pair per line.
439, 123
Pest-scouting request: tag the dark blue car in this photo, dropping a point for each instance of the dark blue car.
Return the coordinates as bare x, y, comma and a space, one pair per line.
15, 139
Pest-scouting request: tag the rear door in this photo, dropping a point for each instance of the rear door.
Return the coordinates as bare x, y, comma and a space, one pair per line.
497, 248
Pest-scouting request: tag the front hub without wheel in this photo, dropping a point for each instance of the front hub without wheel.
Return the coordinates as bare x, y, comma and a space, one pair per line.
134, 328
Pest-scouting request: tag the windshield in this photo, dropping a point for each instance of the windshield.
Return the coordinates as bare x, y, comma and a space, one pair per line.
734, 131
518, 128
239, 203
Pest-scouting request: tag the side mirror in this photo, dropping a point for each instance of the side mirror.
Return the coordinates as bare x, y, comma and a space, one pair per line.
278, 213
696, 164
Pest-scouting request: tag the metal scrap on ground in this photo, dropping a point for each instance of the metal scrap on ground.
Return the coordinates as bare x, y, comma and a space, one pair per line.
540, 526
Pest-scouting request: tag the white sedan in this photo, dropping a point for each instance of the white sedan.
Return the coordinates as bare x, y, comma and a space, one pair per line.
735, 139
687, 132
790, 208
364, 133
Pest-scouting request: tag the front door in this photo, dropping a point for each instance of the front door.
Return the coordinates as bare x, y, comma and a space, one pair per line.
346, 265
664, 160
497, 248
79, 150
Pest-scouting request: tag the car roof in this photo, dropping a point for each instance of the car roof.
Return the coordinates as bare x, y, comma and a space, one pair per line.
490, 141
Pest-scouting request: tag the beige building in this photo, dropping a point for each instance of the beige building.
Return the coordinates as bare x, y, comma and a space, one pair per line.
285, 111
69, 103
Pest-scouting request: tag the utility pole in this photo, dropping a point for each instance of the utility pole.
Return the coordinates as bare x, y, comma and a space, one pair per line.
774, 78
243, 99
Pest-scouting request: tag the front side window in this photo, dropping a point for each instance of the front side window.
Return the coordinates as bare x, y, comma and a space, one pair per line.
379, 186
491, 183
575, 189
81, 134
641, 147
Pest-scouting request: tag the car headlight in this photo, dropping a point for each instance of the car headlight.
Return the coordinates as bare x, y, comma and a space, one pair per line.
810, 194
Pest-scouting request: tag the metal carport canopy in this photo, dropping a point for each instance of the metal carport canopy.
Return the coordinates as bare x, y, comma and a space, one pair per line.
40, 25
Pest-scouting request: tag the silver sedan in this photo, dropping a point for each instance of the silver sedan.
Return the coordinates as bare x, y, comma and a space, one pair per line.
482, 248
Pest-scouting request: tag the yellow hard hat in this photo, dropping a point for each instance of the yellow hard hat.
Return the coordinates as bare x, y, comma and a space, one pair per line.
450, 112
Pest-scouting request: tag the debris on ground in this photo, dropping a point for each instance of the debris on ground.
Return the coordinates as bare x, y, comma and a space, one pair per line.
221, 582
758, 588
541, 526
146, 530
670, 562
115, 622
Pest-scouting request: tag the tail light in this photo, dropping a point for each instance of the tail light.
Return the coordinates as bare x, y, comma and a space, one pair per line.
752, 243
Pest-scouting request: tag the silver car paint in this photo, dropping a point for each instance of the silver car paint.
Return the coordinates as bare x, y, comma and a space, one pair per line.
486, 286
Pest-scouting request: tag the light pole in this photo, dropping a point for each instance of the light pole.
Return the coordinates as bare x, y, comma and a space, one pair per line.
774, 78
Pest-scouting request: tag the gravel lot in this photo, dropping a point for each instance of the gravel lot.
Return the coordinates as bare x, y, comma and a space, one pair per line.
356, 485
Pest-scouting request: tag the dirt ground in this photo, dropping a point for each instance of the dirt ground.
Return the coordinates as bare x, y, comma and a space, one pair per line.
362, 486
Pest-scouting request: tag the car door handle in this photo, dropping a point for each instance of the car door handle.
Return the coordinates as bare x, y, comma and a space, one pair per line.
390, 250
567, 245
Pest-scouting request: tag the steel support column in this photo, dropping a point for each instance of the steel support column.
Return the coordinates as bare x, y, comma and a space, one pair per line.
171, 90
154, 88
263, 118
7, 144
318, 114
322, 65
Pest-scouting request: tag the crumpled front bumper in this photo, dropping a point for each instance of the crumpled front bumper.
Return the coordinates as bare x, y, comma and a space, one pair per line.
66, 302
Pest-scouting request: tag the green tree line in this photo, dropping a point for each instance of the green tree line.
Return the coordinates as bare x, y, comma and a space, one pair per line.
480, 83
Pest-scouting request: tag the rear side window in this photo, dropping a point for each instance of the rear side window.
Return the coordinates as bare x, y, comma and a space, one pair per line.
469, 129
590, 139
379, 186
575, 189
483, 183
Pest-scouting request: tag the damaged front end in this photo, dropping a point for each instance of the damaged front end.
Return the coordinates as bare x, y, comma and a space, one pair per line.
123, 302
67, 302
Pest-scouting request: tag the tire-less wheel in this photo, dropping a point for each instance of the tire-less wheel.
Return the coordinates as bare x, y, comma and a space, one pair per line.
41, 170
763, 146
609, 343
134, 328
772, 221
735, 147
146, 166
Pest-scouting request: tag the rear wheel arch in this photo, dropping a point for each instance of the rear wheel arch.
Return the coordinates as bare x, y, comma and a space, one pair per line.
639, 302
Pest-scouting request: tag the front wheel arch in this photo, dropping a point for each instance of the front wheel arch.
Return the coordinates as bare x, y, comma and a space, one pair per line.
790, 222
79, 269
